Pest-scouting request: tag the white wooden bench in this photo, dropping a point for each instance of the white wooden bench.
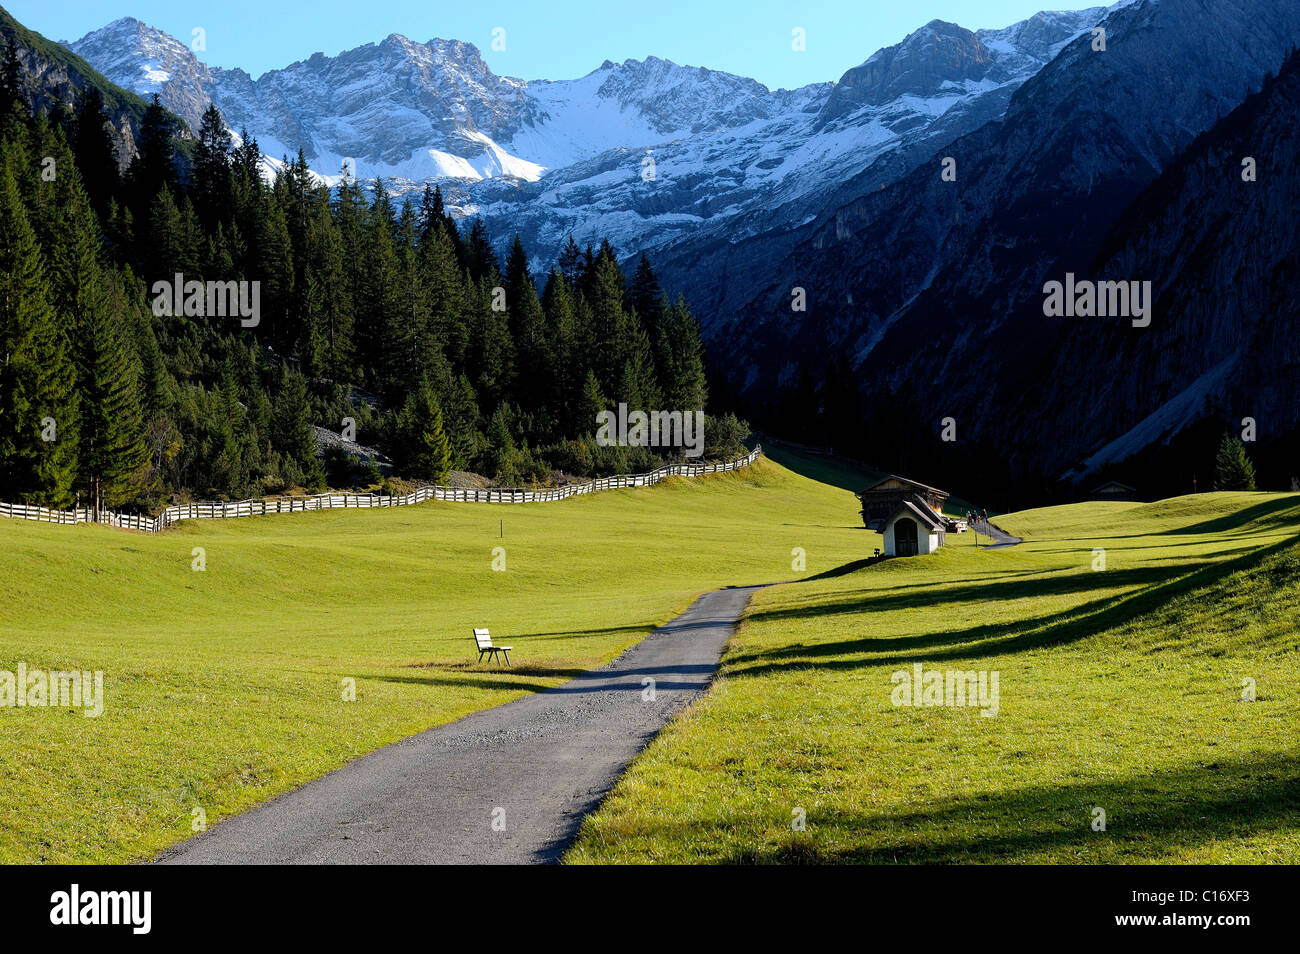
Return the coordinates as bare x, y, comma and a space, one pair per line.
483, 640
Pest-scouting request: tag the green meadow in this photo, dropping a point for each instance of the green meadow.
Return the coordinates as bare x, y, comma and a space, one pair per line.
1125, 689
827, 470
224, 687
1120, 688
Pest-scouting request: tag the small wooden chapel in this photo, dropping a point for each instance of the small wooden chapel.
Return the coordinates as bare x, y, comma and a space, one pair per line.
909, 515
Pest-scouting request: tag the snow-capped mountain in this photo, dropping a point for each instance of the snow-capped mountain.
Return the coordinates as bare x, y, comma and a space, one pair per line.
147, 61
396, 109
431, 111
763, 176
647, 153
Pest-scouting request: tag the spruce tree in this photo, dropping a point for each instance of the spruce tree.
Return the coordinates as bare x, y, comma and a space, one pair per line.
646, 297
482, 260
212, 185
527, 326
291, 431
38, 403
565, 374
494, 363
609, 329
96, 156
1232, 468
427, 453
164, 252
639, 386
592, 403
682, 357
385, 329
444, 287
421, 356
154, 378
154, 166
111, 452
461, 423
570, 263
275, 251
246, 163
501, 445
517, 277
430, 213
232, 452
328, 301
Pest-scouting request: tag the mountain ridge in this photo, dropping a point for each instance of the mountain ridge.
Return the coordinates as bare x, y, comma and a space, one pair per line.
935, 281
554, 158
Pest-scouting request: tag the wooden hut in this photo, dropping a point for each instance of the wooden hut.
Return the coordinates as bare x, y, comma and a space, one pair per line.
1114, 490
908, 514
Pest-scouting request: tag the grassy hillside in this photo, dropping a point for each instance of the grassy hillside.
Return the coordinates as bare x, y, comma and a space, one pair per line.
1120, 689
836, 471
224, 686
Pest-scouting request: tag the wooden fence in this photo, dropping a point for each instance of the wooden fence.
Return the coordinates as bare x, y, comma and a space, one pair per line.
269, 505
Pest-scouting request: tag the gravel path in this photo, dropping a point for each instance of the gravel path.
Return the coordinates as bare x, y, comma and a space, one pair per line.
507, 785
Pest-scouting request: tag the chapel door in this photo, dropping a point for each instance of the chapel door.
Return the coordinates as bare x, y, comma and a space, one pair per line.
905, 540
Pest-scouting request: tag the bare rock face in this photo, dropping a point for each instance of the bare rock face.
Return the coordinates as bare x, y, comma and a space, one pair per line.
379, 103
147, 61
55, 77
935, 288
1216, 236
676, 99
924, 64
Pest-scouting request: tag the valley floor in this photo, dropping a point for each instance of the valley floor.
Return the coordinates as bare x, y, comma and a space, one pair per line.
1122, 690
225, 687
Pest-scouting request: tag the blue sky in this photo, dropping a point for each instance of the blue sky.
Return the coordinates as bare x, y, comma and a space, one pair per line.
545, 39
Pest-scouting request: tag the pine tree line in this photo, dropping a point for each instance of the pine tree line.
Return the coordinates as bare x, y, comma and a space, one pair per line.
389, 315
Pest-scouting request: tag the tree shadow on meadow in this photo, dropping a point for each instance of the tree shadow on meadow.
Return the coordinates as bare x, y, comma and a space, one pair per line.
1148, 818
691, 677
1263, 517
513, 678
1280, 512
1156, 587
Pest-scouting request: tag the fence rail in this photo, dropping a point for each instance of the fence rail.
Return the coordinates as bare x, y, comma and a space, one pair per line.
269, 505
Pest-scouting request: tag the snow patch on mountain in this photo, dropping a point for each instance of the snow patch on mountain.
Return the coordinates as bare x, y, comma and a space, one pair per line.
648, 153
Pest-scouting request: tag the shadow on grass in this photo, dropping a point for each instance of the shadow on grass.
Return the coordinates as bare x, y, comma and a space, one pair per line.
577, 633
690, 677
939, 594
1148, 817
1261, 516
1156, 587
516, 668
991, 576
504, 679
1086, 557
644, 629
